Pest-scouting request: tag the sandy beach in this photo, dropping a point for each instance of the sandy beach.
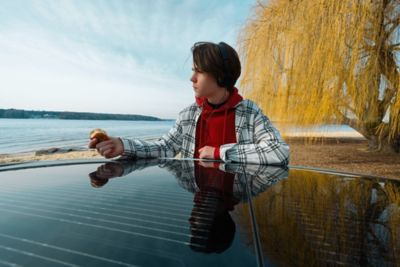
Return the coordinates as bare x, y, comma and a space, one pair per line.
27, 157
340, 151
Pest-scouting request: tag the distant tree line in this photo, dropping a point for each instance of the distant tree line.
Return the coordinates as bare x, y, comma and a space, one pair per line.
31, 114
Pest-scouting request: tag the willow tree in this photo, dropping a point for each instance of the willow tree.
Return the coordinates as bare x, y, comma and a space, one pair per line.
311, 62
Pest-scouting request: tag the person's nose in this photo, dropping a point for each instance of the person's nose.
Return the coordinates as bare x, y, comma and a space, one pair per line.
193, 78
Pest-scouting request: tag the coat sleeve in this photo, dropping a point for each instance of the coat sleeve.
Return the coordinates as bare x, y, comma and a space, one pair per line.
268, 147
167, 145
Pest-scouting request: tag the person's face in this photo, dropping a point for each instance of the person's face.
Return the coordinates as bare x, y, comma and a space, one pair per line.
204, 84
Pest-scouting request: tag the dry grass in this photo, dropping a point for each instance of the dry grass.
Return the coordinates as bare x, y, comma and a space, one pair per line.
344, 154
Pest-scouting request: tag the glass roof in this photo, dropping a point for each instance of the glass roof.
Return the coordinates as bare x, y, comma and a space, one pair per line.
153, 212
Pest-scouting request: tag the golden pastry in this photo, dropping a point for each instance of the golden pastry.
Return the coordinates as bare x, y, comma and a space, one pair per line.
99, 134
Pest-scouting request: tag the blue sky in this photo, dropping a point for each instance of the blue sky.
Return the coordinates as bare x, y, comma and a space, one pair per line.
128, 56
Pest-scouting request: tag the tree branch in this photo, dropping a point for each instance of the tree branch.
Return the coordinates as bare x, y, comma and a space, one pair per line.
394, 26
393, 46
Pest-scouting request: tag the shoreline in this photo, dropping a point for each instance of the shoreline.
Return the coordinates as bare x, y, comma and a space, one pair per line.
343, 153
7, 159
52, 153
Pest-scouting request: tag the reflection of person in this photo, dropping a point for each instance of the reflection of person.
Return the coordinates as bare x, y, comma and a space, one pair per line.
217, 188
104, 172
256, 177
219, 125
118, 168
212, 227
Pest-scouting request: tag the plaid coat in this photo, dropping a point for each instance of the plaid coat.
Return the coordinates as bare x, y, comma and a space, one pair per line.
259, 142
258, 178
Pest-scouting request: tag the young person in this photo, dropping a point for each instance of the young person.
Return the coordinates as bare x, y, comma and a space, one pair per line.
219, 125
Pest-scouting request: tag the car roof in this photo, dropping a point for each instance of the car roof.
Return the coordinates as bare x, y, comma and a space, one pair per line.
152, 212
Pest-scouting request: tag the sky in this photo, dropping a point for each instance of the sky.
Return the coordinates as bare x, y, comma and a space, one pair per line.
111, 56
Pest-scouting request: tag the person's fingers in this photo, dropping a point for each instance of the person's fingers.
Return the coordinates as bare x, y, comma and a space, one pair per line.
109, 148
103, 152
92, 143
206, 153
102, 146
107, 153
104, 143
201, 163
206, 164
108, 173
103, 168
105, 147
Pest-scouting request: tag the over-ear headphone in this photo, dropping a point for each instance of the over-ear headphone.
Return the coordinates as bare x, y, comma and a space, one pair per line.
223, 82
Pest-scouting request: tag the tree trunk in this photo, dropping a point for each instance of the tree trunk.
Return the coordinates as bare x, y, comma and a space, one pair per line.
376, 142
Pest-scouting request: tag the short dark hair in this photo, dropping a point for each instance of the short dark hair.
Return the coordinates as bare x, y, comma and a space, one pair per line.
208, 58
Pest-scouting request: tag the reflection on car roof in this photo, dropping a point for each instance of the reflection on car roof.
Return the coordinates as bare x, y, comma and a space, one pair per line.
152, 212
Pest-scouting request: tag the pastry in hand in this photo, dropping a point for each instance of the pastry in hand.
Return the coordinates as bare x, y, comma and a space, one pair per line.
99, 134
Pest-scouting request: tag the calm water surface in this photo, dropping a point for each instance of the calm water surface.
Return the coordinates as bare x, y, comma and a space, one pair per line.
25, 135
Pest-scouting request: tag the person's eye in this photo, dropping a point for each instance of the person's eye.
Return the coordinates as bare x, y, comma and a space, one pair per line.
196, 70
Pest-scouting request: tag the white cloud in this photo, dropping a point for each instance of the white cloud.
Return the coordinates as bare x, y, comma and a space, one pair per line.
107, 56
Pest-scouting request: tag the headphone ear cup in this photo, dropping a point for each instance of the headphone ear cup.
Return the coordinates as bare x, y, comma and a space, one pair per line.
220, 81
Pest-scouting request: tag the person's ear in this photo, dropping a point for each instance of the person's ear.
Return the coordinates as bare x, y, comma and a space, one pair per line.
221, 81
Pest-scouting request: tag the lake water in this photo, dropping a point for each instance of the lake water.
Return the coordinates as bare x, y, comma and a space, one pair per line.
26, 135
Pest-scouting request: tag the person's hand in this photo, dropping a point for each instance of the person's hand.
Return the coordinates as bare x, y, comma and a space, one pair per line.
209, 164
206, 152
109, 148
107, 171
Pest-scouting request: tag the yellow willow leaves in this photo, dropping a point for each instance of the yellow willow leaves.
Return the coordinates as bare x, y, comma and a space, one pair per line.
324, 61
311, 218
